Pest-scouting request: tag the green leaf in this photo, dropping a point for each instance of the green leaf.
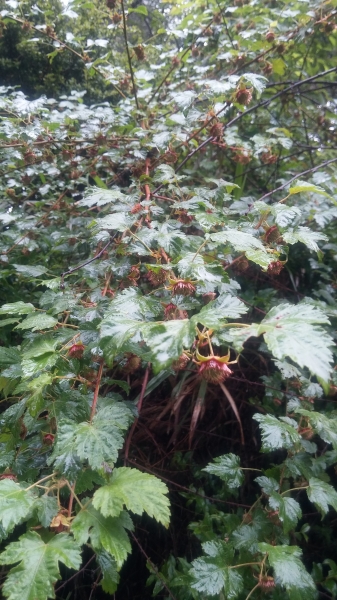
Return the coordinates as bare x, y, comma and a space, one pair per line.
34, 577
325, 427
289, 571
306, 236
15, 503
167, 340
211, 578
141, 10
30, 270
108, 566
38, 322
17, 308
46, 508
290, 331
277, 433
138, 491
240, 240
322, 494
98, 442
227, 467
105, 533
289, 510
304, 186
215, 313
9, 356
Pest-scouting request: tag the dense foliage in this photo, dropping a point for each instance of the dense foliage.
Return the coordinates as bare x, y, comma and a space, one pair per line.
168, 299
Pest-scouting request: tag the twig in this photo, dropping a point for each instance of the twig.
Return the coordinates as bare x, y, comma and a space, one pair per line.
76, 574
128, 55
139, 408
87, 262
96, 392
312, 170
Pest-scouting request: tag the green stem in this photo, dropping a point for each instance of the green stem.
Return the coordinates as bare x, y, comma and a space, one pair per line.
40, 481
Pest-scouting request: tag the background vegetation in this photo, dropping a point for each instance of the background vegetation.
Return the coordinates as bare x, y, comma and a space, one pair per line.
168, 299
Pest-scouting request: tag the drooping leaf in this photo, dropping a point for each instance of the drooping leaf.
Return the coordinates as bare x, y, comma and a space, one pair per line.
107, 533
227, 467
322, 494
15, 503
98, 442
277, 433
108, 566
34, 577
289, 511
289, 571
17, 308
138, 491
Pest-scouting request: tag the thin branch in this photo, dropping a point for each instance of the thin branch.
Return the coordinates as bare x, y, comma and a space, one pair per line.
87, 262
128, 54
76, 574
312, 170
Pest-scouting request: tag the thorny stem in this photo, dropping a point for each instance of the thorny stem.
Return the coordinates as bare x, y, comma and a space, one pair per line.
96, 392
128, 55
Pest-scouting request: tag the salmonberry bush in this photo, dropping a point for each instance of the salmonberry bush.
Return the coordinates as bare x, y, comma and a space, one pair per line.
168, 299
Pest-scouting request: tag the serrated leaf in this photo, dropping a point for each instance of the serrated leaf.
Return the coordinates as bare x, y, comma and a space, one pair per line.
46, 508
268, 484
322, 494
291, 331
227, 467
289, 571
108, 566
306, 236
15, 503
289, 510
211, 578
100, 197
260, 257
34, 577
17, 308
9, 356
325, 427
304, 186
138, 491
240, 240
97, 442
38, 322
215, 313
277, 433
167, 340
107, 533
284, 215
